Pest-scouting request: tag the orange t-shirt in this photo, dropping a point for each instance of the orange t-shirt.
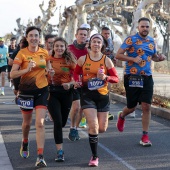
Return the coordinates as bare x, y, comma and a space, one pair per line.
63, 71
36, 78
90, 70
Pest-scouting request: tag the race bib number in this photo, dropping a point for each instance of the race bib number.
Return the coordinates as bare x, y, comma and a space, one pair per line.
95, 84
136, 81
25, 101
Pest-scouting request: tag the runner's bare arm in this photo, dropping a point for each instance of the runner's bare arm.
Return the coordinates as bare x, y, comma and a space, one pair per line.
121, 56
16, 72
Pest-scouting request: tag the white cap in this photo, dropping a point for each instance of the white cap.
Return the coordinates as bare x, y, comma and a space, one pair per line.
85, 26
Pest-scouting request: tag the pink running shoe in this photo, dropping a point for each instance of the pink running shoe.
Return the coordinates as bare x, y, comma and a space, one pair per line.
145, 141
94, 161
120, 122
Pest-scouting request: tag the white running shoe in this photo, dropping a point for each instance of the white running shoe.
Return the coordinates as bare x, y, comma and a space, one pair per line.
132, 114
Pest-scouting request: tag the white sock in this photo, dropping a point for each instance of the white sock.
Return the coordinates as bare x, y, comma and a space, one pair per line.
2, 89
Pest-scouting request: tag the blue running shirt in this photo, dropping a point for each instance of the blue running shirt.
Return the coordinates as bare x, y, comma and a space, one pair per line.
145, 47
3, 54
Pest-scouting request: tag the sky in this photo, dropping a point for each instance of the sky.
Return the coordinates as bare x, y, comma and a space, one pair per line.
10, 10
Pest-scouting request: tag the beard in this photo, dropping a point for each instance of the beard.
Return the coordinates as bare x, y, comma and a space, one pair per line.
144, 33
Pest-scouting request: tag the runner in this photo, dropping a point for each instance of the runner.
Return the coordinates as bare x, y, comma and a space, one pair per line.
83, 123
49, 41
97, 71
30, 64
78, 49
22, 44
12, 47
3, 64
109, 52
138, 82
60, 83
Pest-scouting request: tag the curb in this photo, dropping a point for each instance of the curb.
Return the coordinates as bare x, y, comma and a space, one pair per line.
161, 112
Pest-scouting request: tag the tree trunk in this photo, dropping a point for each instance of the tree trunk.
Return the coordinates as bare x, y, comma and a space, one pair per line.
140, 12
72, 26
62, 25
167, 48
81, 11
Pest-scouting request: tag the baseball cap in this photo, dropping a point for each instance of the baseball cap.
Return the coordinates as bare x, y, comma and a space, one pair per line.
85, 26
1, 39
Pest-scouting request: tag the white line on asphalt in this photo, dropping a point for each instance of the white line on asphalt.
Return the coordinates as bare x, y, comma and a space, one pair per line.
4, 159
111, 153
108, 151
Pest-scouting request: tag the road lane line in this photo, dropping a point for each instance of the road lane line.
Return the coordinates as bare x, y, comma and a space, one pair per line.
5, 163
111, 153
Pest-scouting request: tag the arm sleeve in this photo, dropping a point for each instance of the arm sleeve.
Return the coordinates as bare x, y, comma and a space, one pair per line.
77, 72
113, 76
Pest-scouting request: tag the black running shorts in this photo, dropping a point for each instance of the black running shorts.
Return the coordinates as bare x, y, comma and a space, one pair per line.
76, 93
40, 97
2, 69
93, 99
135, 95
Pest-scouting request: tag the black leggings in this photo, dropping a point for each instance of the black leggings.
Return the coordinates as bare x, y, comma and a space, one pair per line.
59, 107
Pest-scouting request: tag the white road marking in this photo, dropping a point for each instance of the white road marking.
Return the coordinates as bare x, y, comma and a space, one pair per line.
110, 152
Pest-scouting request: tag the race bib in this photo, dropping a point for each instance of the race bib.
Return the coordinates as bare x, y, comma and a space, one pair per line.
136, 81
94, 84
25, 101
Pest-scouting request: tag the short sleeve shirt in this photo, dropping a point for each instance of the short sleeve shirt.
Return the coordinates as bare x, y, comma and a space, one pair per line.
135, 45
11, 51
14, 54
3, 56
36, 78
63, 71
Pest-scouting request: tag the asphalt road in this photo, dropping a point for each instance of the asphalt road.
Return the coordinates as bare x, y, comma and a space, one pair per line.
117, 151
